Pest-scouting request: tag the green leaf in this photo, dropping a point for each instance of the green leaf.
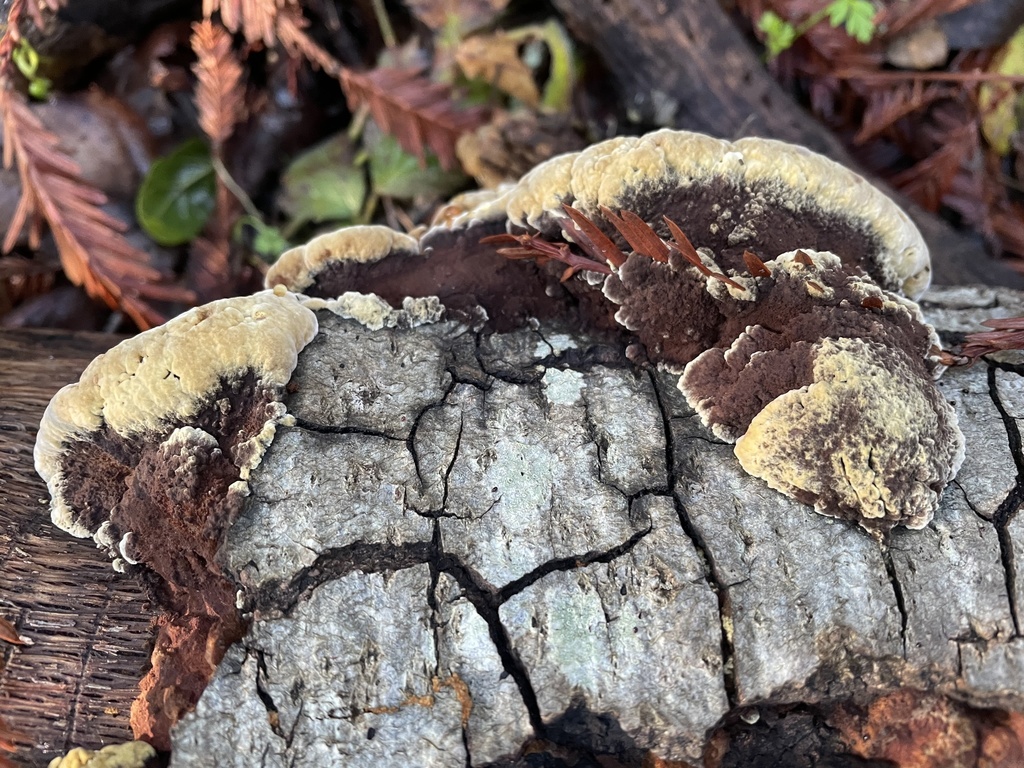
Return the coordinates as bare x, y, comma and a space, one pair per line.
323, 184
779, 34
26, 58
266, 241
998, 101
857, 16
178, 194
396, 173
560, 85
39, 87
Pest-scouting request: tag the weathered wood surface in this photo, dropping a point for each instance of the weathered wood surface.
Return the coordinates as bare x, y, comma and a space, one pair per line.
89, 626
685, 64
468, 545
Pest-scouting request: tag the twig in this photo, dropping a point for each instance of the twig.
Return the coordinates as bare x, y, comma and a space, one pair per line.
938, 77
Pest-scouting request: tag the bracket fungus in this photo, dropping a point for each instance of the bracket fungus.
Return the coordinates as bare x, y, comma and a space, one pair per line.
149, 454
777, 282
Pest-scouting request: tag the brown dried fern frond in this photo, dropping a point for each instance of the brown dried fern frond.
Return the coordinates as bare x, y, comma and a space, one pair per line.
928, 181
257, 19
220, 93
419, 113
1005, 218
36, 8
93, 251
896, 18
220, 101
1007, 333
886, 105
291, 30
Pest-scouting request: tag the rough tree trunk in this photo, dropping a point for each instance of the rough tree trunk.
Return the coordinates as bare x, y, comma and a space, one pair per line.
466, 545
473, 547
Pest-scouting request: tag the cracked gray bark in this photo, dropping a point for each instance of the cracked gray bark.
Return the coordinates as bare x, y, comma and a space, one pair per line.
467, 545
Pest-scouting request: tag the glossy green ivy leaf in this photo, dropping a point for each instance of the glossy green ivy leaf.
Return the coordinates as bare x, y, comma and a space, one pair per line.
323, 184
396, 173
178, 194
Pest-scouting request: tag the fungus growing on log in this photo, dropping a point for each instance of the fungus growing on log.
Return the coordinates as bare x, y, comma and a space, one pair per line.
771, 277
149, 453
768, 277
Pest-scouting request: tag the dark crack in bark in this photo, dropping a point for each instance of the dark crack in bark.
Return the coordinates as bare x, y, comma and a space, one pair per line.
715, 584
261, 690
410, 440
275, 597
1010, 506
484, 599
328, 429
435, 624
571, 563
897, 589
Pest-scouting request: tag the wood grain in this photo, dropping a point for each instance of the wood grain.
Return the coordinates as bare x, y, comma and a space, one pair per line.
89, 626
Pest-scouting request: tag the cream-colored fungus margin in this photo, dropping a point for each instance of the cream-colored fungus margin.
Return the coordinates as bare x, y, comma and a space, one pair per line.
372, 312
163, 376
612, 171
793, 443
160, 378
132, 754
297, 267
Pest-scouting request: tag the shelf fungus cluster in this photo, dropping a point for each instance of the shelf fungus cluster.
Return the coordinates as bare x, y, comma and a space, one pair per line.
778, 283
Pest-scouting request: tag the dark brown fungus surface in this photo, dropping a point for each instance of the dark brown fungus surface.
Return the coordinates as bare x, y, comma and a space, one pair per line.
149, 454
449, 264
771, 277
753, 194
823, 380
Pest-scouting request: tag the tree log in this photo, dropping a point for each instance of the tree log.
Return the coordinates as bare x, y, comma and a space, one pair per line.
90, 628
684, 64
469, 549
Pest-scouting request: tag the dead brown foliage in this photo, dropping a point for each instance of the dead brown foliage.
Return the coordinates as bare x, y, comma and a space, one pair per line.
220, 102
37, 8
220, 92
22, 279
917, 129
419, 113
93, 251
1007, 333
257, 19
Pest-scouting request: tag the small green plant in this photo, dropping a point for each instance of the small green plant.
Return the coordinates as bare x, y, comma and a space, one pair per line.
857, 17
178, 194
26, 59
